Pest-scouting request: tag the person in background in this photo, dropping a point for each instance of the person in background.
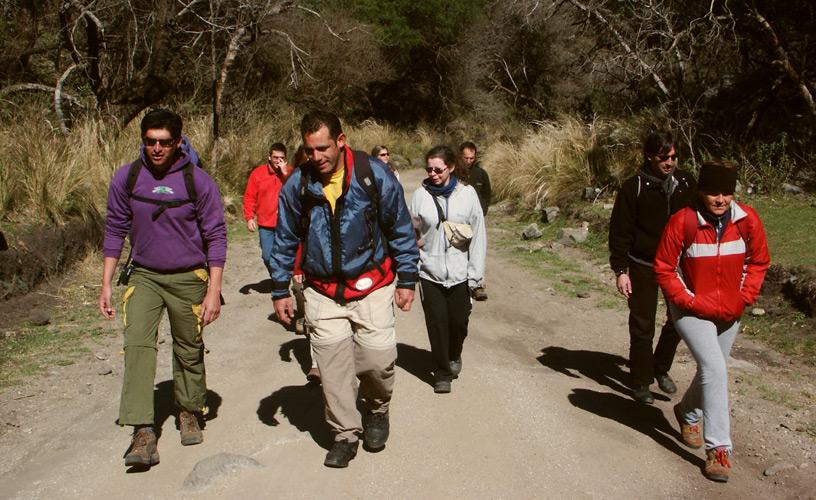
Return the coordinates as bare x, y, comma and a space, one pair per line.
448, 272
359, 259
642, 209
722, 252
173, 214
261, 198
480, 181
382, 154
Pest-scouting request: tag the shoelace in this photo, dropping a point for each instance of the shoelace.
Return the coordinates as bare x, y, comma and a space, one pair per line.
721, 456
187, 420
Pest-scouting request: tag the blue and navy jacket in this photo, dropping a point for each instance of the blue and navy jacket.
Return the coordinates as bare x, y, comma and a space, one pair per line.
351, 253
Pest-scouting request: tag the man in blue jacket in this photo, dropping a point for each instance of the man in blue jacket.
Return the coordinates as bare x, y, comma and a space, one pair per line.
359, 257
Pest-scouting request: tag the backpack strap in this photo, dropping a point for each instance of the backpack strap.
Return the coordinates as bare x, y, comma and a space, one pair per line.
365, 176
439, 211
689, 228
189, 183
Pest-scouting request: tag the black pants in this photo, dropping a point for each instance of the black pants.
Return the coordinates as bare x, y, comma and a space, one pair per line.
643, 365
446, 317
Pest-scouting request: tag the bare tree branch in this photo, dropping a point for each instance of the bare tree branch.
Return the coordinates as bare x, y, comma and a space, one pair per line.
22, 87
785, 63
58, 99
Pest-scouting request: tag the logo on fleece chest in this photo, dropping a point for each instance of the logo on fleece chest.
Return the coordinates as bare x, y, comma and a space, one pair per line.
163, 190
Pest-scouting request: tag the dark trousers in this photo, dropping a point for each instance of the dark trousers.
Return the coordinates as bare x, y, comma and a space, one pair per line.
643, 365
446, 317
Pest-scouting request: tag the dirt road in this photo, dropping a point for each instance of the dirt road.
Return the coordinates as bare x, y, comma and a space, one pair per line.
540, 411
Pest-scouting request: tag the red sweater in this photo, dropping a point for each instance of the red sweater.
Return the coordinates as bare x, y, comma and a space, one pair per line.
262, 193
716, 281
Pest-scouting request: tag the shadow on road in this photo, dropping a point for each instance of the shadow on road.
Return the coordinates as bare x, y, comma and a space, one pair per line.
264, 286
302, 405
604, 368
645, 419
300, 348
417, 362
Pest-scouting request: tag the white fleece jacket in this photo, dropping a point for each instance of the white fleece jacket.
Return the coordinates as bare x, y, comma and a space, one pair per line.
438, 260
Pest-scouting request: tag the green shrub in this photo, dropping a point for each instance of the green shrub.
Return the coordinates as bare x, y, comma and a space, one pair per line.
768, 165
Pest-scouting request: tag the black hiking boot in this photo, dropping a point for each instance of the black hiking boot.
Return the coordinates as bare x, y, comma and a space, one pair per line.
340, 455
376, 432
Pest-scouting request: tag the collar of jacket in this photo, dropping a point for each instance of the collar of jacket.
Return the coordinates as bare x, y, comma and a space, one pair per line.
737, 213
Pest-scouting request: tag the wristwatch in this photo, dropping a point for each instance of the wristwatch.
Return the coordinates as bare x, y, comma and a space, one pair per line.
619, 272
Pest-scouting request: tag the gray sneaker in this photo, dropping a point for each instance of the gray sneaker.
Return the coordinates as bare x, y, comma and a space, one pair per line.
666, 383
456, 367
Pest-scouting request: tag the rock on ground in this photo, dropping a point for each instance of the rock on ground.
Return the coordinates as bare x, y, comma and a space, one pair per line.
217, 466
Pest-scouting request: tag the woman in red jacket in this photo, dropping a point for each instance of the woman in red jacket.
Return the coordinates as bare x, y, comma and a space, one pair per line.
711, 263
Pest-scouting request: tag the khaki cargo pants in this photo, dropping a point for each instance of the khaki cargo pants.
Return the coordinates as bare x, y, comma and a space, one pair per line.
353, 340
145, 300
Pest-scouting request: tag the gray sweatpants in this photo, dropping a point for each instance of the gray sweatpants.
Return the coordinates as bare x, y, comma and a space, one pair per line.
707, 397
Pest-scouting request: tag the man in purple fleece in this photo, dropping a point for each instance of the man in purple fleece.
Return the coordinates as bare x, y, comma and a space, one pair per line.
172, 212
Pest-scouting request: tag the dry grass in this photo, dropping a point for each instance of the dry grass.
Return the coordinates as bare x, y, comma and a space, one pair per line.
558, 159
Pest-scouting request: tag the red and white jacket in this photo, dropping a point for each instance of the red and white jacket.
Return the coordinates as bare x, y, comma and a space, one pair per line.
712, 280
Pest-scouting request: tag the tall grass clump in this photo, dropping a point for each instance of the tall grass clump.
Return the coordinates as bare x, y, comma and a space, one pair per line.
554, 162
47, 176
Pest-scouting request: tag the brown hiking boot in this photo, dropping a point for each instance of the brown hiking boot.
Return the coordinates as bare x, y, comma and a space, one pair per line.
690, 435
190, 431
143, 450
717, 467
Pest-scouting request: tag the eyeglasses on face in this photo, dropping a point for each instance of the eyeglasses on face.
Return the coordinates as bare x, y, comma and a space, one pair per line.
278, 158
165, 143
384, 154
435, 170
666, 157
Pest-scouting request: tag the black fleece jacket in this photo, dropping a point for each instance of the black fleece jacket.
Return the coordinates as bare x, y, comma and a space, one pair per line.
638, 219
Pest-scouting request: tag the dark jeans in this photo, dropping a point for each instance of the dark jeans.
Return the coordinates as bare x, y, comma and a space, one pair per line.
446, 317
643, 365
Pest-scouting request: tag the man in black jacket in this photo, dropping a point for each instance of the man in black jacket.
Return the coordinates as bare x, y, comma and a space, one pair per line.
642, 209
481, 182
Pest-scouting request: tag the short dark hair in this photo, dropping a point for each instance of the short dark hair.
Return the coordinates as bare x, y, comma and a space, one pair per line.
278, 146
467, 145
451, 159
658, 143
162, 119
315, 120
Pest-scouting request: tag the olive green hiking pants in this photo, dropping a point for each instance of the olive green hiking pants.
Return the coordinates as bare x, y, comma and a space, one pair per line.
149, 294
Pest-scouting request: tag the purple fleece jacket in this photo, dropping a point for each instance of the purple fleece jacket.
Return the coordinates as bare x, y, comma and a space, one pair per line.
181, 238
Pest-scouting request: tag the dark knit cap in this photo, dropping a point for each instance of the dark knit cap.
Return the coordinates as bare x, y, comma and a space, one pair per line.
717, 178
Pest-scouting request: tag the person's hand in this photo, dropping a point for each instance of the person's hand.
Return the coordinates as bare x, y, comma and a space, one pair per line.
624, 285
105, 302
211, 307
404, 297
298, 278
252, 225
285, 309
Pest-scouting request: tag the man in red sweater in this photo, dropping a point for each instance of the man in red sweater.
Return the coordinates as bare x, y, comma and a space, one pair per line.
261, 198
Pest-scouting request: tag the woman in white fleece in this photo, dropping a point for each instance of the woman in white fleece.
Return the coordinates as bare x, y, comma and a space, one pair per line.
447, 272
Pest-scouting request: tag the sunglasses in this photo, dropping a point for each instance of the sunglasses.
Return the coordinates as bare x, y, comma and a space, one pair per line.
435, 170
384, 154
165, 143
666, 157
